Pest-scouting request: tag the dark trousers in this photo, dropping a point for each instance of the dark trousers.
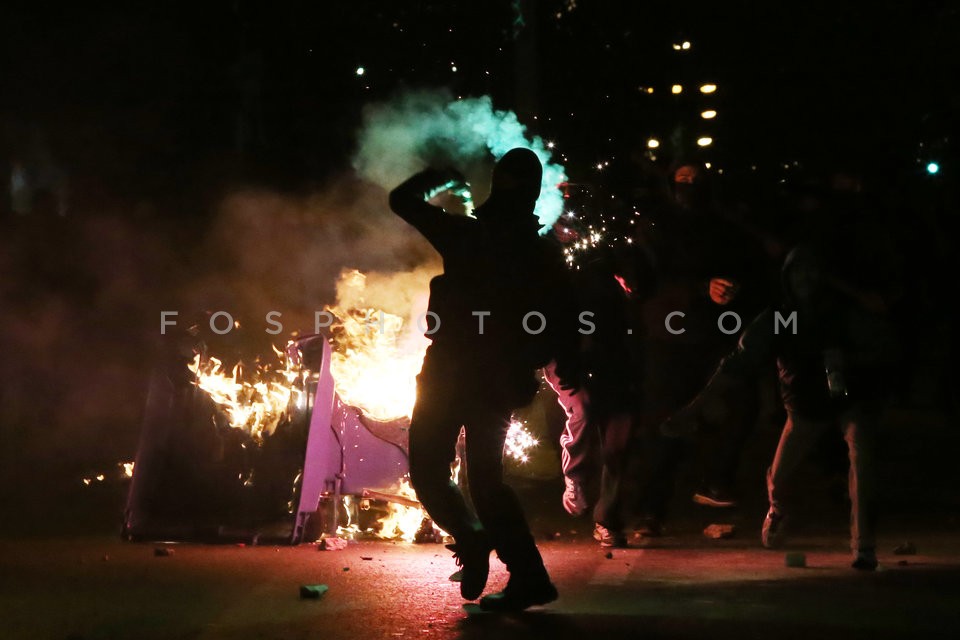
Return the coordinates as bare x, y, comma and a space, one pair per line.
445, 402
800, 435
616, 435
673, 375
724, 434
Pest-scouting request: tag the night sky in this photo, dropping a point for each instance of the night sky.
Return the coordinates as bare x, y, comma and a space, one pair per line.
122, 87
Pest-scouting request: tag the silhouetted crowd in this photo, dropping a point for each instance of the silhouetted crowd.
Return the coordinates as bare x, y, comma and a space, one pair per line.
682, 316
658, 341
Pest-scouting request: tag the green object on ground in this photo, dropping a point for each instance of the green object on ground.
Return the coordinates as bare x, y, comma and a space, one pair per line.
796, 559
313, 591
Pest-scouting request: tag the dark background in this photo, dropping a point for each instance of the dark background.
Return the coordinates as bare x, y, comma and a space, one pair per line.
120, 87
154, 113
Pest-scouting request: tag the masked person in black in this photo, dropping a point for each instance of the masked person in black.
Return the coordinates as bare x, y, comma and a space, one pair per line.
836, 351
698, 275
493, 323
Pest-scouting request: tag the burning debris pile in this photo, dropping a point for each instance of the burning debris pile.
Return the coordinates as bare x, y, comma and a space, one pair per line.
325, 424
405, 519
220, 454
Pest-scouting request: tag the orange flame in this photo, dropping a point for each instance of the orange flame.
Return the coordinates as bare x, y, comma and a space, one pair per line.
351, 529
256, 406
377, 355
402, 521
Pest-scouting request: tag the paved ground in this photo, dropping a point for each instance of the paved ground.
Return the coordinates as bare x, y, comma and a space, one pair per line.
684, 586
65, 573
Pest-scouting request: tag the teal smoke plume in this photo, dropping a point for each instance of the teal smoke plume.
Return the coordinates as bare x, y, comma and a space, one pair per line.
419, 129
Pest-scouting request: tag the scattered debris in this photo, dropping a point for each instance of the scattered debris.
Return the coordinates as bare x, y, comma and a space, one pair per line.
346, 568
456, 576
905, 549
162, 552
609, 555
719, 531
312, 591
366, 557
332, 544
796, 559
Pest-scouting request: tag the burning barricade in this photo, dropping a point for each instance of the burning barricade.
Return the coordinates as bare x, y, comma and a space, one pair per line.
311, 444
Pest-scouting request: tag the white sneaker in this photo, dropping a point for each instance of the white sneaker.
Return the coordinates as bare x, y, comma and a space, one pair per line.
608, 538
574, 501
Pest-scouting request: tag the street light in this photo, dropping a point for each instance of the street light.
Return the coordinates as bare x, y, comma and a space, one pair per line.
653, 143
675, 89
704, 141
708, 88
709, 114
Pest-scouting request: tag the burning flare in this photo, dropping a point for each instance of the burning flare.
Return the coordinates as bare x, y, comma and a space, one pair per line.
257, 404
519, 442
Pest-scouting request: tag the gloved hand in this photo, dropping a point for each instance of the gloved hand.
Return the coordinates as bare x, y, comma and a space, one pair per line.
446, 179
451, 174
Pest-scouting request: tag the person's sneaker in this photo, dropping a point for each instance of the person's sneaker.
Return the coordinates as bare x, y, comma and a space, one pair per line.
714, 497
574, 500
520, 593
772, 534
473, 558
866, 560
609, 538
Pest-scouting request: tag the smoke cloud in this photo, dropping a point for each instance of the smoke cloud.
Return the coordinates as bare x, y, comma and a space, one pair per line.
271, 252
82, 296
430, 128
82, 299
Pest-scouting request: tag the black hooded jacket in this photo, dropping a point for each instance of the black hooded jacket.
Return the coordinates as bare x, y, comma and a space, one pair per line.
497, 270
